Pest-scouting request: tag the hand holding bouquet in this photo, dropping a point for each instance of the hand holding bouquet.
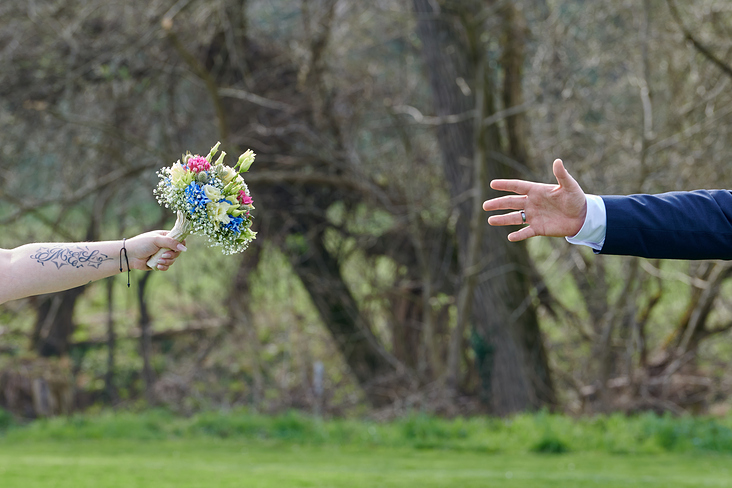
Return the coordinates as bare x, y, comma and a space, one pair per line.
210, 198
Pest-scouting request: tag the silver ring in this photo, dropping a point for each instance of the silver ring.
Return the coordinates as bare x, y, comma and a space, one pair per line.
523, 217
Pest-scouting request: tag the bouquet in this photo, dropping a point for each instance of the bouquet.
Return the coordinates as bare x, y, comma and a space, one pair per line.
211, 200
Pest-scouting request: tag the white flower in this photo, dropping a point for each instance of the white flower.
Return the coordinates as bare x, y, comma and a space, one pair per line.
179, 177
228, 174
212, 193
219, 211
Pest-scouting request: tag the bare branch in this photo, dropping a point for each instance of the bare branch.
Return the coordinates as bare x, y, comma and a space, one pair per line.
462, 117
75, 197
255, 99
200, 71
704, 50
433, 120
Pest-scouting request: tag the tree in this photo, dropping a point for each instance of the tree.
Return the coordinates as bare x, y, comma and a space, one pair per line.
511, 355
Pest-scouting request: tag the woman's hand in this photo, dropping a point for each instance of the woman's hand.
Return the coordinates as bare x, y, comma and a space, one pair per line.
141, 248
548, 210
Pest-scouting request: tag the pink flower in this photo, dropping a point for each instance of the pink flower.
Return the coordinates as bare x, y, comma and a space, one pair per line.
244, 199
198, 164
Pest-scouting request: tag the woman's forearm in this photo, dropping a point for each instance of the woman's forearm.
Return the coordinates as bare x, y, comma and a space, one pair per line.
39, 268
35, 269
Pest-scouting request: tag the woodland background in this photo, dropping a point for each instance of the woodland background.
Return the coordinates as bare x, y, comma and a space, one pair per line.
375, 285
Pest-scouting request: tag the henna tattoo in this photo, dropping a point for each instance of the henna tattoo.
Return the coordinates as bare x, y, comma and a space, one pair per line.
77, 257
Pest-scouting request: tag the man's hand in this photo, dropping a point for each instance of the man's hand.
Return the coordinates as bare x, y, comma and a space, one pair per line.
550, 210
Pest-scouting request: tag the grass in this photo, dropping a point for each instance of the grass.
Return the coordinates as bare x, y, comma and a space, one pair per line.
156, 449
235, 463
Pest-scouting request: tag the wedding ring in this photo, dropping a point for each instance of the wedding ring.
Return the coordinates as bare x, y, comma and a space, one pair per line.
523, 217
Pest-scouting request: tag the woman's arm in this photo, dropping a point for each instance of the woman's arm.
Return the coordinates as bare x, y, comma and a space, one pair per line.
34, 269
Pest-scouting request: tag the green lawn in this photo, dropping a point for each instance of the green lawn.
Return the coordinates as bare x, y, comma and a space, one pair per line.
209, 462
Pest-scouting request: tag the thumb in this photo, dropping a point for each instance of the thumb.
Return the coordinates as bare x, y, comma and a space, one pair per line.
562, 175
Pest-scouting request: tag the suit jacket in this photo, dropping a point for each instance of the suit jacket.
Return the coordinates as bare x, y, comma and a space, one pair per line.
675, 225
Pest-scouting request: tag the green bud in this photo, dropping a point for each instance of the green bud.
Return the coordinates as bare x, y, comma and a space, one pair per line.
202, 177
220, 161
211, 153
228, 188
245, 161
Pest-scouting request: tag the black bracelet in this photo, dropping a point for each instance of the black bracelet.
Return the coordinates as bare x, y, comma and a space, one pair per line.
124, 249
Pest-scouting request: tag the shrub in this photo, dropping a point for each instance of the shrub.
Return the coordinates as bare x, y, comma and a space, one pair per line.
550, 444
6, 419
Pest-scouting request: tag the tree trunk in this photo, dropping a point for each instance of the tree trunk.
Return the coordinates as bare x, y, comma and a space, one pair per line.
507, 341
110, 390
512, 59
148, 374
320, 272
239, 314
55, 322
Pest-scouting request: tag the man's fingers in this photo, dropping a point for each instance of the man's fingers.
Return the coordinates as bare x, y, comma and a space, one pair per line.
508, 202
517, 186
513, 218
521, 234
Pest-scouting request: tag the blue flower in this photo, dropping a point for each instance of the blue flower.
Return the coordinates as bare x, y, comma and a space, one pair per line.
235, 224
196, 197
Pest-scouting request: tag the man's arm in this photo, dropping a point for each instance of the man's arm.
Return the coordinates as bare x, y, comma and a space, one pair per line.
35, 269
675, 225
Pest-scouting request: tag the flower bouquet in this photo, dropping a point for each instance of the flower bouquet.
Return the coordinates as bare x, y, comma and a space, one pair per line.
211, 200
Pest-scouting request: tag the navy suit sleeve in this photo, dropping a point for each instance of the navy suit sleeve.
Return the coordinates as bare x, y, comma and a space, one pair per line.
676, 225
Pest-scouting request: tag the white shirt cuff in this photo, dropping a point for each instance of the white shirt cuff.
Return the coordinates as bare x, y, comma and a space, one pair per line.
593, 231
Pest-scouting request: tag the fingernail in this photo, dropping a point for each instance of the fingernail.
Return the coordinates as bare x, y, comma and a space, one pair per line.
181, 247
167, 255
161, 267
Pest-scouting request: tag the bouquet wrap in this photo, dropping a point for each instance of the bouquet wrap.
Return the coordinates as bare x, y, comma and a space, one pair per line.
210, 198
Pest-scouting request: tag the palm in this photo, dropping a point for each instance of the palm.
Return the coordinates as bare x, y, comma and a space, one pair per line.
551, 210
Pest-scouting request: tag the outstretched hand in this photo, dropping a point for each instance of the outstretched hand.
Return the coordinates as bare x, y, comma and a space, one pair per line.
550, 210
141, 248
